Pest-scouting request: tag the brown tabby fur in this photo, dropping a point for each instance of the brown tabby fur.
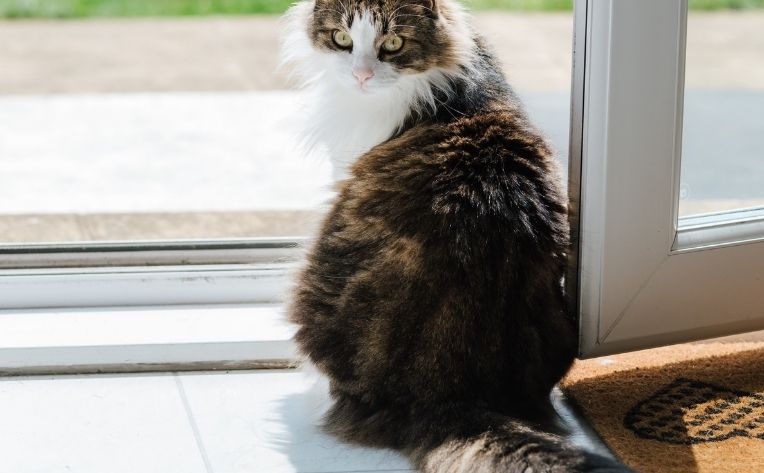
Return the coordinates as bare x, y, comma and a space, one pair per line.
423, 29
433, 296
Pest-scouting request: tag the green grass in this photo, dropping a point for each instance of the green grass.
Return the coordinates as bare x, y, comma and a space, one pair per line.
128, 8
520, 5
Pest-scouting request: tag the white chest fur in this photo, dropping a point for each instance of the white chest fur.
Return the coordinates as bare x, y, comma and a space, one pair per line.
349, 124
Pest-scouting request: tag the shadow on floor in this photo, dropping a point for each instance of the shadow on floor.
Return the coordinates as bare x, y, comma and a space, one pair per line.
310, 450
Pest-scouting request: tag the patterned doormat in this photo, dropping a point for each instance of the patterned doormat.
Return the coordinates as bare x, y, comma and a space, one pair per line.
684, 409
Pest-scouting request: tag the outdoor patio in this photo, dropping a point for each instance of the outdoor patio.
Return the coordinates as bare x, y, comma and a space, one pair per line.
122, 129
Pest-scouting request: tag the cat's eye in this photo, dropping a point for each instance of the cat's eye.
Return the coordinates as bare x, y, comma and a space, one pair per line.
342, 39
393, 44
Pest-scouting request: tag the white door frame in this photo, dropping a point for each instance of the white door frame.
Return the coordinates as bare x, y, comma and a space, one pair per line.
644, 278
147, 273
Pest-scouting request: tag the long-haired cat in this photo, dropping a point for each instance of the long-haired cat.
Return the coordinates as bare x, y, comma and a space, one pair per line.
433, 297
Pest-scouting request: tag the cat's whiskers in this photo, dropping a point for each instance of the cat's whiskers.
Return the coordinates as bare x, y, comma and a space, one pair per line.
347, 11
449, 108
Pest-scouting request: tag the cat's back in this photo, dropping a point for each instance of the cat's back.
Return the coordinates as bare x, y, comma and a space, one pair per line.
490, 168
438, 235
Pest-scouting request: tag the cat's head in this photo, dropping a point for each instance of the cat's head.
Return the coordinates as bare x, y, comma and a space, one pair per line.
368, 46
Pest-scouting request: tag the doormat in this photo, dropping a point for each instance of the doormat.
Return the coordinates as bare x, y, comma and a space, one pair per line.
685, 408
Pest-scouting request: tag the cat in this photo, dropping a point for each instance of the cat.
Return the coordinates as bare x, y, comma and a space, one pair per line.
343, 116
433, 296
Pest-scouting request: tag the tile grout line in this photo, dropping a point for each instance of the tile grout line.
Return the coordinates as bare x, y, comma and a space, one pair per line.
192, 421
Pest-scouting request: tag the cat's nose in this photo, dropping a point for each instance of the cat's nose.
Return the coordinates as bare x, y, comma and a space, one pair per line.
363, 75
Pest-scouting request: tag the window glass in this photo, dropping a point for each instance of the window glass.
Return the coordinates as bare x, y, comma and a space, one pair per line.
128, 121
723, 133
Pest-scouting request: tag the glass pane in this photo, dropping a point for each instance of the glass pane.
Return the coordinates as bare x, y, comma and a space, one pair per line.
723, 137
119, 127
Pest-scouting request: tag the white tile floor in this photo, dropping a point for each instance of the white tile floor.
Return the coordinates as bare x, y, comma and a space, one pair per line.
224, 422
75, 338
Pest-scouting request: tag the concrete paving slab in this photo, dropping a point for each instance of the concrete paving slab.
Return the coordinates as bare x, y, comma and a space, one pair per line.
69, 228
208, 156
725, 50
155, 151
224, 53
180, 152
138, 153
723, 149
168, 166
40, 228
83, 56
241, 53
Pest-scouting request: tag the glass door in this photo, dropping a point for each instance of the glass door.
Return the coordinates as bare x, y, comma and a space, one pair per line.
667, 174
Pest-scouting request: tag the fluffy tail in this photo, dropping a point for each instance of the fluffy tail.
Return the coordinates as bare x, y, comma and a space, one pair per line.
459, 439
482, 441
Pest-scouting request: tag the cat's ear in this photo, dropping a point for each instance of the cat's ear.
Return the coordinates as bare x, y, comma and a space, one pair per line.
430, 7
